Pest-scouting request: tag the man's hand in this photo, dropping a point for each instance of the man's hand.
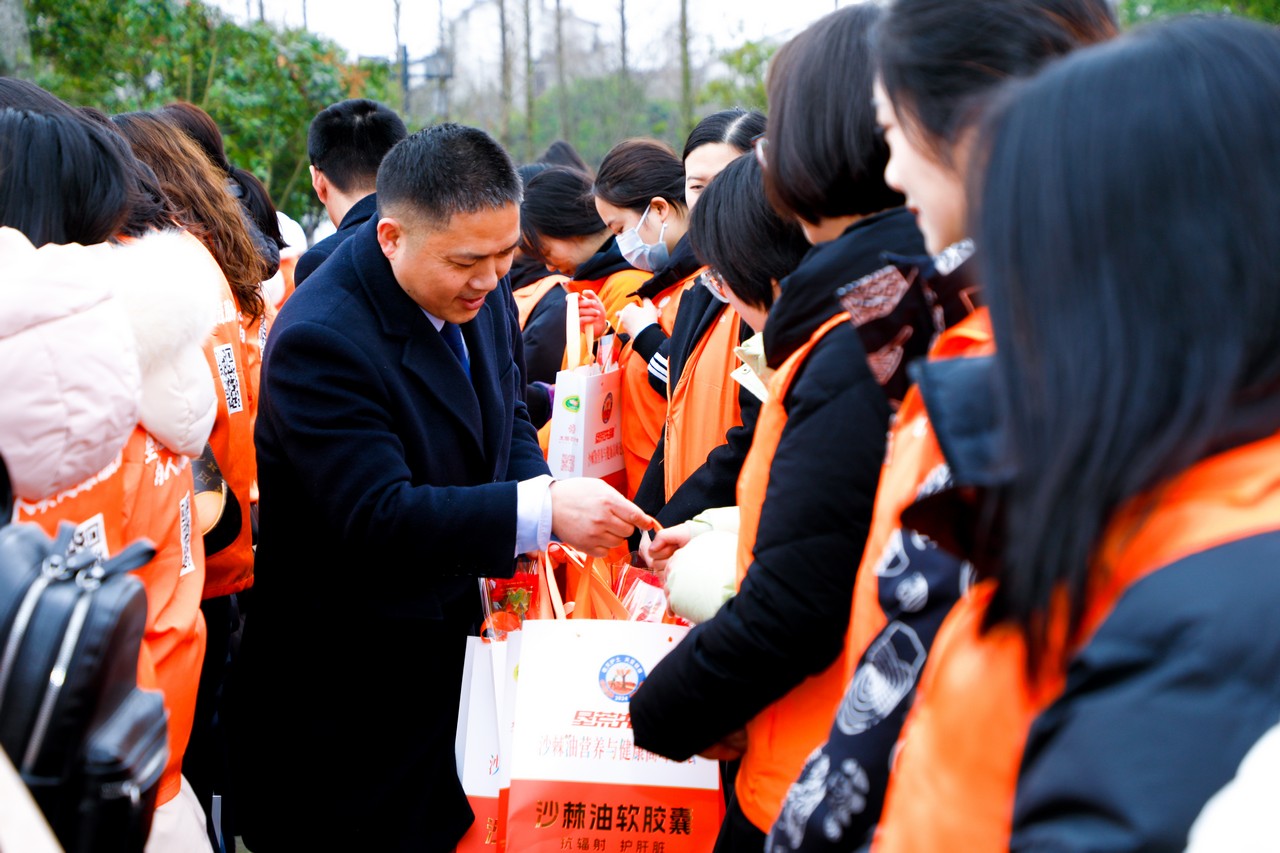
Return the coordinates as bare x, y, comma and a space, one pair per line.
636, 318
590, 515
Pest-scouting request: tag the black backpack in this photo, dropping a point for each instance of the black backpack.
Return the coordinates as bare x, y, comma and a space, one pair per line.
90, 745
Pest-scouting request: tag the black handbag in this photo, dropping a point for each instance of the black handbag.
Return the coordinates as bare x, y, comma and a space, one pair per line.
90, 745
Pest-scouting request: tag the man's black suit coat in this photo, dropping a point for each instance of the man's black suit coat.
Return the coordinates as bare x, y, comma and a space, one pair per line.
360, 213
388, 484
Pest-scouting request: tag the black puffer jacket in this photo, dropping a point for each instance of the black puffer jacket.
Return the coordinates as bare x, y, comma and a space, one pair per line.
543, 337
360, 213
789, 618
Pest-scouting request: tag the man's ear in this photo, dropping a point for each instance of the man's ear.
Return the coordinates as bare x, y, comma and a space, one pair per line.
320, 184
390, 237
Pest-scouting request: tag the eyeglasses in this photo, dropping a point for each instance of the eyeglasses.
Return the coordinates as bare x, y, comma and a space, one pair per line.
759, 144
713, 281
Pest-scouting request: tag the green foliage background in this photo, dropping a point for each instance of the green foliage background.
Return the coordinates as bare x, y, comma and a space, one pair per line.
1136, 11
603, 111
262, 84
744, 85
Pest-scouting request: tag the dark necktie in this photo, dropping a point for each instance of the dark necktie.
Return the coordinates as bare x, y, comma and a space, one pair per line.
452, 335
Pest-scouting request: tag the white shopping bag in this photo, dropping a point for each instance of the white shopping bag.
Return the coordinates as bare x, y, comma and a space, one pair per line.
477, 746
578, 782
586, 433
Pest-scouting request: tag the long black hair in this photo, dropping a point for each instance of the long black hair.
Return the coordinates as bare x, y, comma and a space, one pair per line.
561, 153
1136, 306
62, 180
149, 208
938, 58
825, 155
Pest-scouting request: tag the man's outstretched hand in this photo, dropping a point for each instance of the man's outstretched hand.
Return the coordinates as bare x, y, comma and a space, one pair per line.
591, 516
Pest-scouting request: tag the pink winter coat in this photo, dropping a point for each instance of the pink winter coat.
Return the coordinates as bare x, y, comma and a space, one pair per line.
69, 376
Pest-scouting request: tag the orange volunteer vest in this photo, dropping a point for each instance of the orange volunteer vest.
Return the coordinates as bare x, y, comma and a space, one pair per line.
644, 410
527, 298
235, 382
780, 737
952, 790
704, 404
147, 493
911, 457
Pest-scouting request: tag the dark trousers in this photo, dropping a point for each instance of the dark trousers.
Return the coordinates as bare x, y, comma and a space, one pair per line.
205, 763
737, 834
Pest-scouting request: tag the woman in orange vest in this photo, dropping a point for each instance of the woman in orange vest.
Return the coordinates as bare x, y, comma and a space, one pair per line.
771, 660
639, 195
561, 232
539, 296
227, 473
1120, 654
709, 416
560, 226
907, 582
146, 491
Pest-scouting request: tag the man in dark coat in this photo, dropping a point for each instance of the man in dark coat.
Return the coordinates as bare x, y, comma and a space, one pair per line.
397, 464
345, 143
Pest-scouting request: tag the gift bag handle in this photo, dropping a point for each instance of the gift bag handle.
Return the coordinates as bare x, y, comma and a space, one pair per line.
582, 598
573, 331
594, 599
553, 590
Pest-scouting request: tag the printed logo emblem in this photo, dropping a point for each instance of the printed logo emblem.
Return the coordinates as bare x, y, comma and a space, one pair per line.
573, 403
606, 411
620, 677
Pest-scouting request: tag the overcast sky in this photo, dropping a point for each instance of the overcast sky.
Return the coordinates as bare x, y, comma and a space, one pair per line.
365, 27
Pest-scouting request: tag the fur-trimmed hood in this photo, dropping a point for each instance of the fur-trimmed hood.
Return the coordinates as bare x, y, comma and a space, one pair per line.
170, 286
68, 365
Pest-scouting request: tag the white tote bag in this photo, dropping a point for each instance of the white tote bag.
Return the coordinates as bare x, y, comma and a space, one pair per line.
478, 743
586, 433
578, 781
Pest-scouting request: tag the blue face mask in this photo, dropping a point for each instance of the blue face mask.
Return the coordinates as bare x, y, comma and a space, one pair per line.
642, 255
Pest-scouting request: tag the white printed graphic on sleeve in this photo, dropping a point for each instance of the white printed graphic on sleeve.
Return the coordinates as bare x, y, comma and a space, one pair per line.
882, 679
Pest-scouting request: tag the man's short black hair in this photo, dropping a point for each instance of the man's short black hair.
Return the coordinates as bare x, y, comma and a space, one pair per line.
348, 140
445, 170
